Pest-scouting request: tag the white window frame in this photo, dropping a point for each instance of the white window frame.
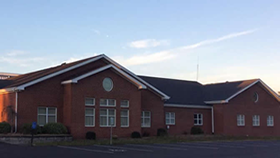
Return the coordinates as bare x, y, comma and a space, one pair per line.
270, 121
93, 116
125, 117
197, 118
123, 105
143, 117
169, 118
108, 117
107, 103
90, 104
256, 120
47, 114
240, 120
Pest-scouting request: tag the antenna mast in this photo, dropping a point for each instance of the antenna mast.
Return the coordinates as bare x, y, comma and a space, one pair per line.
197, 69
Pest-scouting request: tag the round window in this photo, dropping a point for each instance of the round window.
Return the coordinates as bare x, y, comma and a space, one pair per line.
107, 84
256, 97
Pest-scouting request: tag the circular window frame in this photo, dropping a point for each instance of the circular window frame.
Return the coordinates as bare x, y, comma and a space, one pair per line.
109, 79
256, 97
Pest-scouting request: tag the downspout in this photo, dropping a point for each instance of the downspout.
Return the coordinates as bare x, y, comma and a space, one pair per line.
212, 113
16, 109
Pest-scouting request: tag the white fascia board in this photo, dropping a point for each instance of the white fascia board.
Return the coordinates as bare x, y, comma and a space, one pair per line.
165, 97
134, 81
270, 90
22, 87
216, 102
9, 90
188, 106
242, 90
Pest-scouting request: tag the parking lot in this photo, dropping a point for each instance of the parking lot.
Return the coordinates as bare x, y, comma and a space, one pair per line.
240, 149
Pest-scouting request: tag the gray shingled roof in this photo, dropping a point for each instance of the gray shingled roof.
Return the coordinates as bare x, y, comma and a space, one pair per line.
194, 93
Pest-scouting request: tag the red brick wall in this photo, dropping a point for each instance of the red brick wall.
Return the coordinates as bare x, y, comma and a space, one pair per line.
92, 87
184, 120
6, 99
49, 93
153, 103
244, 104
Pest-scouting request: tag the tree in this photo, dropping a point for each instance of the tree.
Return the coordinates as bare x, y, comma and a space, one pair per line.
10, 115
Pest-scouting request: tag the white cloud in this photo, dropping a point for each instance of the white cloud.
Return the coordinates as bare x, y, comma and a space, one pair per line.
16, 53
96, 31
211, 41
145, 58
15, 57
171, 53
148, 43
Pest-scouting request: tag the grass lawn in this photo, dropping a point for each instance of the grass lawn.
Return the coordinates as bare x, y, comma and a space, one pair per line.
158, 140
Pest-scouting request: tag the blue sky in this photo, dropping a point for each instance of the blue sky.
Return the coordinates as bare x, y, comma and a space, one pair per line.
234, 40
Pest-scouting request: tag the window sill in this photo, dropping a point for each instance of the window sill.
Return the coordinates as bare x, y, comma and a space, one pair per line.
89, 105
112, 106
124, 106
198, 125
145, 126
89, 126
170, 124
124, 126
106, 126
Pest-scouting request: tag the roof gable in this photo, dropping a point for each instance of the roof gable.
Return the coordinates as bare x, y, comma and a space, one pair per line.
110, 66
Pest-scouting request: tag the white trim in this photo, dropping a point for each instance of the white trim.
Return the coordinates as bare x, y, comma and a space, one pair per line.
242, 90
22, 87
143, 119
107, 103
46, 114
127, 118
215, 102
165, 97
170, 118
134, 81
93, 116
188, 106
197, 118
90, 104
124, 106
8, 90
107, 117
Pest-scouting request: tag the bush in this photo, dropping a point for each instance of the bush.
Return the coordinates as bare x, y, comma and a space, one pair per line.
5, 127
146, 134
196, 130
54, 128
161, 132
27, 128
90, 135
135, 135
115, 137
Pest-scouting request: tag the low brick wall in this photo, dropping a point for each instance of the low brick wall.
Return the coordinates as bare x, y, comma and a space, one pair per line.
26, 139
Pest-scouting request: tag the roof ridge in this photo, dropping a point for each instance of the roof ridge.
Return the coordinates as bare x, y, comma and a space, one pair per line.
230, 82
169, 79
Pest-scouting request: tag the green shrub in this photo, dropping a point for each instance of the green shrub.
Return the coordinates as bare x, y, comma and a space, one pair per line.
196, 130
5, 127
135, 135
161, 132
54, 128
145, 134
27, 128
90, 135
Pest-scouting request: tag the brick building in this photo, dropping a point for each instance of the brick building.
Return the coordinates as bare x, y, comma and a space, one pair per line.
96, 93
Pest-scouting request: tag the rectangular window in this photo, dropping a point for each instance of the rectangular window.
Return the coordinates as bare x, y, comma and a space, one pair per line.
108, 102
90, 101
89, 117
270, 120
240, 120
46, 115
125, 103
146, 119
124, 118
107, 117
198, 119
256, 120
170, 118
